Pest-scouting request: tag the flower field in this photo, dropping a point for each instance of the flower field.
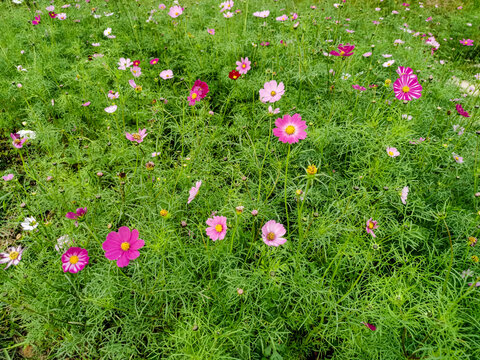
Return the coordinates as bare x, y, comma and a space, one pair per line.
240, 180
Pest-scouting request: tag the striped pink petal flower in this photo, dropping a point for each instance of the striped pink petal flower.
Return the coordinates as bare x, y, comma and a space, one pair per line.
407, 87
74, 260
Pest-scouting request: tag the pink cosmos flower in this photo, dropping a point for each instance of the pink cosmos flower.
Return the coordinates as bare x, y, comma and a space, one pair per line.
17, 141
416, 142
271, 92
460, 129
36, 20
136, 71
402, 70
113, 95
466, 42
272, 233
282, 18
457, 158
290, 129
227, 5
392, 152
86, 104
134, 85
375, 22
370, 326
175, 11
404, 195
228, 14
211, 31
154, 61
124, 64
50, 8
61, 16
358, 87
194, 191
198, 92
407, 88
7, 177
344, 50
262, 14
137, 137
460, 111
273, 111
217, 227
74, 260
243, 66
371, 225
80, 213
111, 109
367, 54
11, 257
123, 246
162, 7
166, 74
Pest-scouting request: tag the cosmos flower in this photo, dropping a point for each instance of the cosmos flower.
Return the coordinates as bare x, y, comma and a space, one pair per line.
392, 152
271, 92
371, 225
262, 14
136, 71
404, 195
358, 87
457, 158
166, 74
12, 256
273, 111
175, 11
228, 14
113, 95
29, 223
407, 87
217, 227
234, 74
111, 109
107, 32
62, 242
466, 42
282, 18
194, 191
36, 20
344, 50
402, 70
61, 16
227, 5
388, 63
211, 31
243, 66
7, 177
272, 233
154, 61
74, 260
17, 140
460, 129
136, 87
77, 215
460, 111
367, 54
123, 246
198, 92
138, 136
290, 129
124, 64
370, 326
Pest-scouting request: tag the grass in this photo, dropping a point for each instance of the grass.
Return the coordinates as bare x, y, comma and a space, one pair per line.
306, 299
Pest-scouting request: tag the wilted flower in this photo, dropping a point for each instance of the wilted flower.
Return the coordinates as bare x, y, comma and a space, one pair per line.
194, 191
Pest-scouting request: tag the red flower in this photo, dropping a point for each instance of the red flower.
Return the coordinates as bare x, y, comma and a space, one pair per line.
52, 14
234, 74
136, 63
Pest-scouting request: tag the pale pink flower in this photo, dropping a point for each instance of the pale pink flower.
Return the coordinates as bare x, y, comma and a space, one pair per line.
272, 233
262, 14
404, 195
7, 177
392, 152
194, 191
138, 136
136, 71
282, 18
273, 111
211, 31
217, 227
457, 158
124, 64
166, 74
175, 11
271, 92
371, 225
111, 109
113, 95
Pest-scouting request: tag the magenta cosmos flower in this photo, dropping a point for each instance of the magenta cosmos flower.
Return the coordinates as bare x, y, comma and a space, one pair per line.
198, 92
154, 61
407, 87
290, 129
392, 152
17, 141
466, 42
271, 92
243, 66
74, 260
76, 215
460, 111
138, 136
371, 225
402, 70
175, 11
344, 50
11, 257
272, 233
194, 191
370, 326
123, 246
217, 227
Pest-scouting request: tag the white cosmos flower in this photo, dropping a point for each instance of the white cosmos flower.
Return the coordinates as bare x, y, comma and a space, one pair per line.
107, 31
29, 134
388, 63
29, 223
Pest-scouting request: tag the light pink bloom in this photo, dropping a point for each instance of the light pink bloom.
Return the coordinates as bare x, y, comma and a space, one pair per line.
262, 14
228, 14
162, 6
137, 137
243, 66
95, 44
7, 177
50, 8
290, 129
61, 16
194, 191
132, 83
227, 5
460, 129
282, 18
111, 109
271, 92
86, 104
74, 260
367, 54
11, 257
457, 158
166, 74
211, 31
272, 233
402, 70
217, 227
124, 64
392, 152
466, 42
272, 111
175, 11
136, 71
113, 95
371, 225
123, 246
404, 195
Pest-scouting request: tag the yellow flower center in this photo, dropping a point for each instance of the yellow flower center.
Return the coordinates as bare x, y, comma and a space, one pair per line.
194, 95
17, 141
125, 246
163, 212
13, 255
311, 170
342, 53
370, 225
234, 77
405, 89
136, 136
176, 13
271, 236
456, 158
290, 129
244, 66
390, 153
138, 88
273, 93
218, 228
73, 259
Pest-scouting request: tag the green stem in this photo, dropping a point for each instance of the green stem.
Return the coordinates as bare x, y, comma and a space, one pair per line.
286, 174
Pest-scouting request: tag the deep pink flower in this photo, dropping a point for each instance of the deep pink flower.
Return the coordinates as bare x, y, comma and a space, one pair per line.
74, 260
344, 50
138, 136
290, 129
271, 92
407, 87
358, 87
243, 66
36, 20
123, 246
154, 61
461, 111
371, 225
17, 142
76, 215
198, 92
402, 70
370, 326
217, 227
272, 233
466, 42
194, 191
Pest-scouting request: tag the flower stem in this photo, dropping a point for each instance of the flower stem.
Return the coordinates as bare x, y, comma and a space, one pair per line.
286, 174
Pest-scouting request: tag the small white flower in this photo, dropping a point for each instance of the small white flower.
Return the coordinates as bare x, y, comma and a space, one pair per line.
17, 1
21, 68
388, 63
62, 242
345, 76
29, 134
29, 223
404, 195
107, 31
